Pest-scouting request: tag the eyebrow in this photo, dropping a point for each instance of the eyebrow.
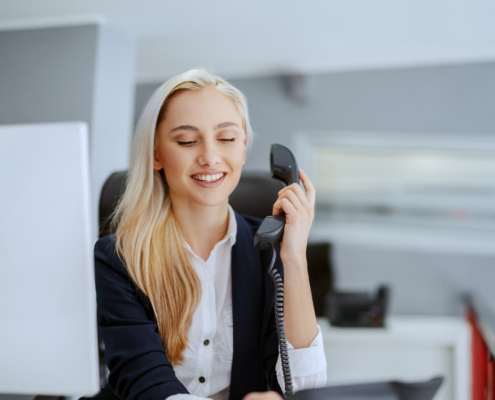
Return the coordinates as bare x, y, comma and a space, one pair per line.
193, 128
224, 125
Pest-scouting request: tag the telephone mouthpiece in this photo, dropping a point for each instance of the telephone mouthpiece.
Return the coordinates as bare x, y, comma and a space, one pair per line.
270, 232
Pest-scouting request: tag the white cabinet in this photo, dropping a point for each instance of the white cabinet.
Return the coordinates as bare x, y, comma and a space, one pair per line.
408, 349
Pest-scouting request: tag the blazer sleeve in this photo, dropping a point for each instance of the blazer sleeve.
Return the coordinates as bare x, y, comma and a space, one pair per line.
134, 354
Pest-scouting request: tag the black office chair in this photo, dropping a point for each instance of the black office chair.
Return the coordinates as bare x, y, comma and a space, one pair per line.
254, 195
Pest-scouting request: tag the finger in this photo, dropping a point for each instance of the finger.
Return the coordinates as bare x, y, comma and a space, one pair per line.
288, 187
283, 190
295, 200
270, 395
297, 189
252, 396
284, 206
273, 395
310, 190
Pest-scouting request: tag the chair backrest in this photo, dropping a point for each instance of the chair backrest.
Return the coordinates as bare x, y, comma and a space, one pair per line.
254, 195
110, 195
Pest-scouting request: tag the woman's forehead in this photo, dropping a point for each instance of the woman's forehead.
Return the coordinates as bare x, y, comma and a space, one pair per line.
206, 105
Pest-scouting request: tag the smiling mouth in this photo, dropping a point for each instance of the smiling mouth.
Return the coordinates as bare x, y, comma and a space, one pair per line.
208, 178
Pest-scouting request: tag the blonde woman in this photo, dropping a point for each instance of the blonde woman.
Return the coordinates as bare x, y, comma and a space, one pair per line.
186, 302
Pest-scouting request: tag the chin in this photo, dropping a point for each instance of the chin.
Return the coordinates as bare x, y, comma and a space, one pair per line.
208, 197
211, 201
212, 197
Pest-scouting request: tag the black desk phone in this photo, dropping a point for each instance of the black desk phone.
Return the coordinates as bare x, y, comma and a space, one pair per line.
284, 168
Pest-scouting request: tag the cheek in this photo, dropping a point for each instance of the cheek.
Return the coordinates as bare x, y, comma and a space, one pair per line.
237, 157
174, 162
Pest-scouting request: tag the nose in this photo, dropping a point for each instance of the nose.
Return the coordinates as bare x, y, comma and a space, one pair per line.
209, 155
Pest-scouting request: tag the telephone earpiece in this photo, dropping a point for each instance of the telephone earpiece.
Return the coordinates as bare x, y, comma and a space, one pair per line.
284, 168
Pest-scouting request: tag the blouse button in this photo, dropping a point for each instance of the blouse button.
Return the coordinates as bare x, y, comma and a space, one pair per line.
206, 342
202, 379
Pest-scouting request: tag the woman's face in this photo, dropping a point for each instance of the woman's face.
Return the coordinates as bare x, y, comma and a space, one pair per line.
201, 146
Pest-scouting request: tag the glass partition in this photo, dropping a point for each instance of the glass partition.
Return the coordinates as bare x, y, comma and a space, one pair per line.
401, 185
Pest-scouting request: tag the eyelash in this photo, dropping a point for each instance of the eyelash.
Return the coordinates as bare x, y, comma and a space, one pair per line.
189, 144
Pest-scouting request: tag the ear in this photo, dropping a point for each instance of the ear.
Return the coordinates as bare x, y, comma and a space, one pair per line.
245, 147
156, 161
244, 154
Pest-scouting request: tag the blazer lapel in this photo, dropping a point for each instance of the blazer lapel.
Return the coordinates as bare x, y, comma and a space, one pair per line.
248, 306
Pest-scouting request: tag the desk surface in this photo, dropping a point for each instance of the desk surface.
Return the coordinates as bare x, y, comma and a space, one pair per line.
409, 348
424, 329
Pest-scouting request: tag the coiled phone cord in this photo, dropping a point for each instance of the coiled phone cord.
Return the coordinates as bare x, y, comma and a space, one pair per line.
279, 322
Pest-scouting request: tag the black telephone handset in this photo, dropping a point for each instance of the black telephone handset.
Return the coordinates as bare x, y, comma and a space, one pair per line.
284, 168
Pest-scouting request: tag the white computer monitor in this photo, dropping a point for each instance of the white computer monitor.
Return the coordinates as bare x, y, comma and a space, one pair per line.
48, 334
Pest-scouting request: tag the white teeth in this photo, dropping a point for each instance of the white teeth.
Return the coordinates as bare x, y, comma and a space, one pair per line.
208, 178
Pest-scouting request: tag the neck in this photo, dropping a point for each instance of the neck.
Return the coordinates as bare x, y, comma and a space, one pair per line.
201, 226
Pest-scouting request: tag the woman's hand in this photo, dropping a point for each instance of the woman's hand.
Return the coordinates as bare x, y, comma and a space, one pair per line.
271, 395
299, 210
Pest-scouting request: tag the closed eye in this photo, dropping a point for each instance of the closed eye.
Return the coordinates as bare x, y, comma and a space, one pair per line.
186, 143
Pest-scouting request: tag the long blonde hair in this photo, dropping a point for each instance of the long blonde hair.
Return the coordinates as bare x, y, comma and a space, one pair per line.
148, 238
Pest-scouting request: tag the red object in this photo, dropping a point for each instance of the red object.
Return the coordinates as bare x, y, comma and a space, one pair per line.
491, 379
483, 373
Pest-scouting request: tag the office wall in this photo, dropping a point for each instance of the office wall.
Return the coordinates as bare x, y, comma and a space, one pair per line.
441, 99
113, 106
81, 72
47, 75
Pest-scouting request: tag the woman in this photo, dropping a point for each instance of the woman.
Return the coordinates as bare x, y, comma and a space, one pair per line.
185, 300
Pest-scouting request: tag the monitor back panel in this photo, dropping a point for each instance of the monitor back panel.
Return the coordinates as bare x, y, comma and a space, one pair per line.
47, 302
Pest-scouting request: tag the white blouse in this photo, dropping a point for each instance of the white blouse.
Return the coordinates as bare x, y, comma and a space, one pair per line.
207, 367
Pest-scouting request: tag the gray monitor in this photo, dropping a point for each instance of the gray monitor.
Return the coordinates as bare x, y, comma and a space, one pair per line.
48, 334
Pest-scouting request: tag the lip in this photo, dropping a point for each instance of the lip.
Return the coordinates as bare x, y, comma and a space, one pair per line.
209, 184
208, 173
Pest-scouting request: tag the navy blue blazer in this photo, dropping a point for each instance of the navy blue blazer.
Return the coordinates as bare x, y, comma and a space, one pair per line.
134, 353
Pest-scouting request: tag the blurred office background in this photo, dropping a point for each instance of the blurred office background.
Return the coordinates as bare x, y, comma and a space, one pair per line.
389, 106
424, 105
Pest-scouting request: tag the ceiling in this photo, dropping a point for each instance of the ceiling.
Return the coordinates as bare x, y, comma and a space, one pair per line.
264, 37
